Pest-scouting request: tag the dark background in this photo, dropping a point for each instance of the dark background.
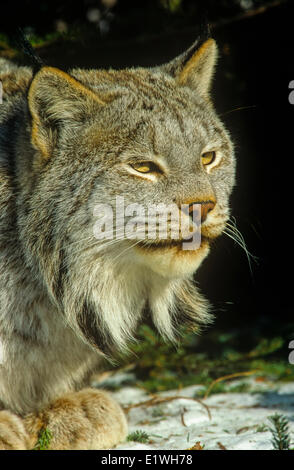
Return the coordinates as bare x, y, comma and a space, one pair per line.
256, 44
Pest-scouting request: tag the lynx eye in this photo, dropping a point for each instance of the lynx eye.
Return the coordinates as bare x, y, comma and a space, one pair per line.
146, 167
208, 157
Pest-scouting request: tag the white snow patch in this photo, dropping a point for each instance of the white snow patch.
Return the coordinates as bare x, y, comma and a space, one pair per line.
238, 420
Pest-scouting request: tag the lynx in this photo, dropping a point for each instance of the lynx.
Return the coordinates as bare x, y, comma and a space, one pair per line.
68, 301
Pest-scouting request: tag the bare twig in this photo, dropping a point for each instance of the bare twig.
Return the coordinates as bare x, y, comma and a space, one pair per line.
226, 377
221, 446
157, 400
182, 417
158, 36
248, 14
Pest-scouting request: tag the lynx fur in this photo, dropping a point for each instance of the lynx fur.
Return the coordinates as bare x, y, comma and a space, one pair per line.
70, 141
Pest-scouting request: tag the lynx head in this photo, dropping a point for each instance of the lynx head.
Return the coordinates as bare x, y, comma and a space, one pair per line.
143, 136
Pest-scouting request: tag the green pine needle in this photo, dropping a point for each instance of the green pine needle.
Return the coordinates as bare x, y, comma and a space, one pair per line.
138, 436
280, 432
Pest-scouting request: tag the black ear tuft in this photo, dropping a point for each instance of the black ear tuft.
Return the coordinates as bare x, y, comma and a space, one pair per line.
203, 33
22, 44
204, 28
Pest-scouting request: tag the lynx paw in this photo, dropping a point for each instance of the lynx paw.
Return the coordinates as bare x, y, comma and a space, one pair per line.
13, 435
89, 419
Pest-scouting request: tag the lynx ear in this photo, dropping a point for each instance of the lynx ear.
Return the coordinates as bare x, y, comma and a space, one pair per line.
195, 67
54, 99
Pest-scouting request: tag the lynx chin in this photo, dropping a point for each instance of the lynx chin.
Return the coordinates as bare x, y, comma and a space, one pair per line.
68, 142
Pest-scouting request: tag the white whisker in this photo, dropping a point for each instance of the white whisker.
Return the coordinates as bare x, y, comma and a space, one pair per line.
232, 232
127, 249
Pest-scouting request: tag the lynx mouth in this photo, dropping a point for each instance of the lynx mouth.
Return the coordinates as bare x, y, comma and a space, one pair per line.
165, 244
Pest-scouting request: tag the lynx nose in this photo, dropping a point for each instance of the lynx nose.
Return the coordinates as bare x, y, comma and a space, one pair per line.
206, 207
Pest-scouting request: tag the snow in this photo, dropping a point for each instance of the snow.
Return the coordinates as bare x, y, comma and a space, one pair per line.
229, 420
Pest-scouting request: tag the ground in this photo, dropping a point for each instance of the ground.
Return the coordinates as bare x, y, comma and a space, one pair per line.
232, 421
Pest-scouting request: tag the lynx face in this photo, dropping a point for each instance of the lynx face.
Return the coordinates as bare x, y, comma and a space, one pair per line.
165, 162
145, 136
